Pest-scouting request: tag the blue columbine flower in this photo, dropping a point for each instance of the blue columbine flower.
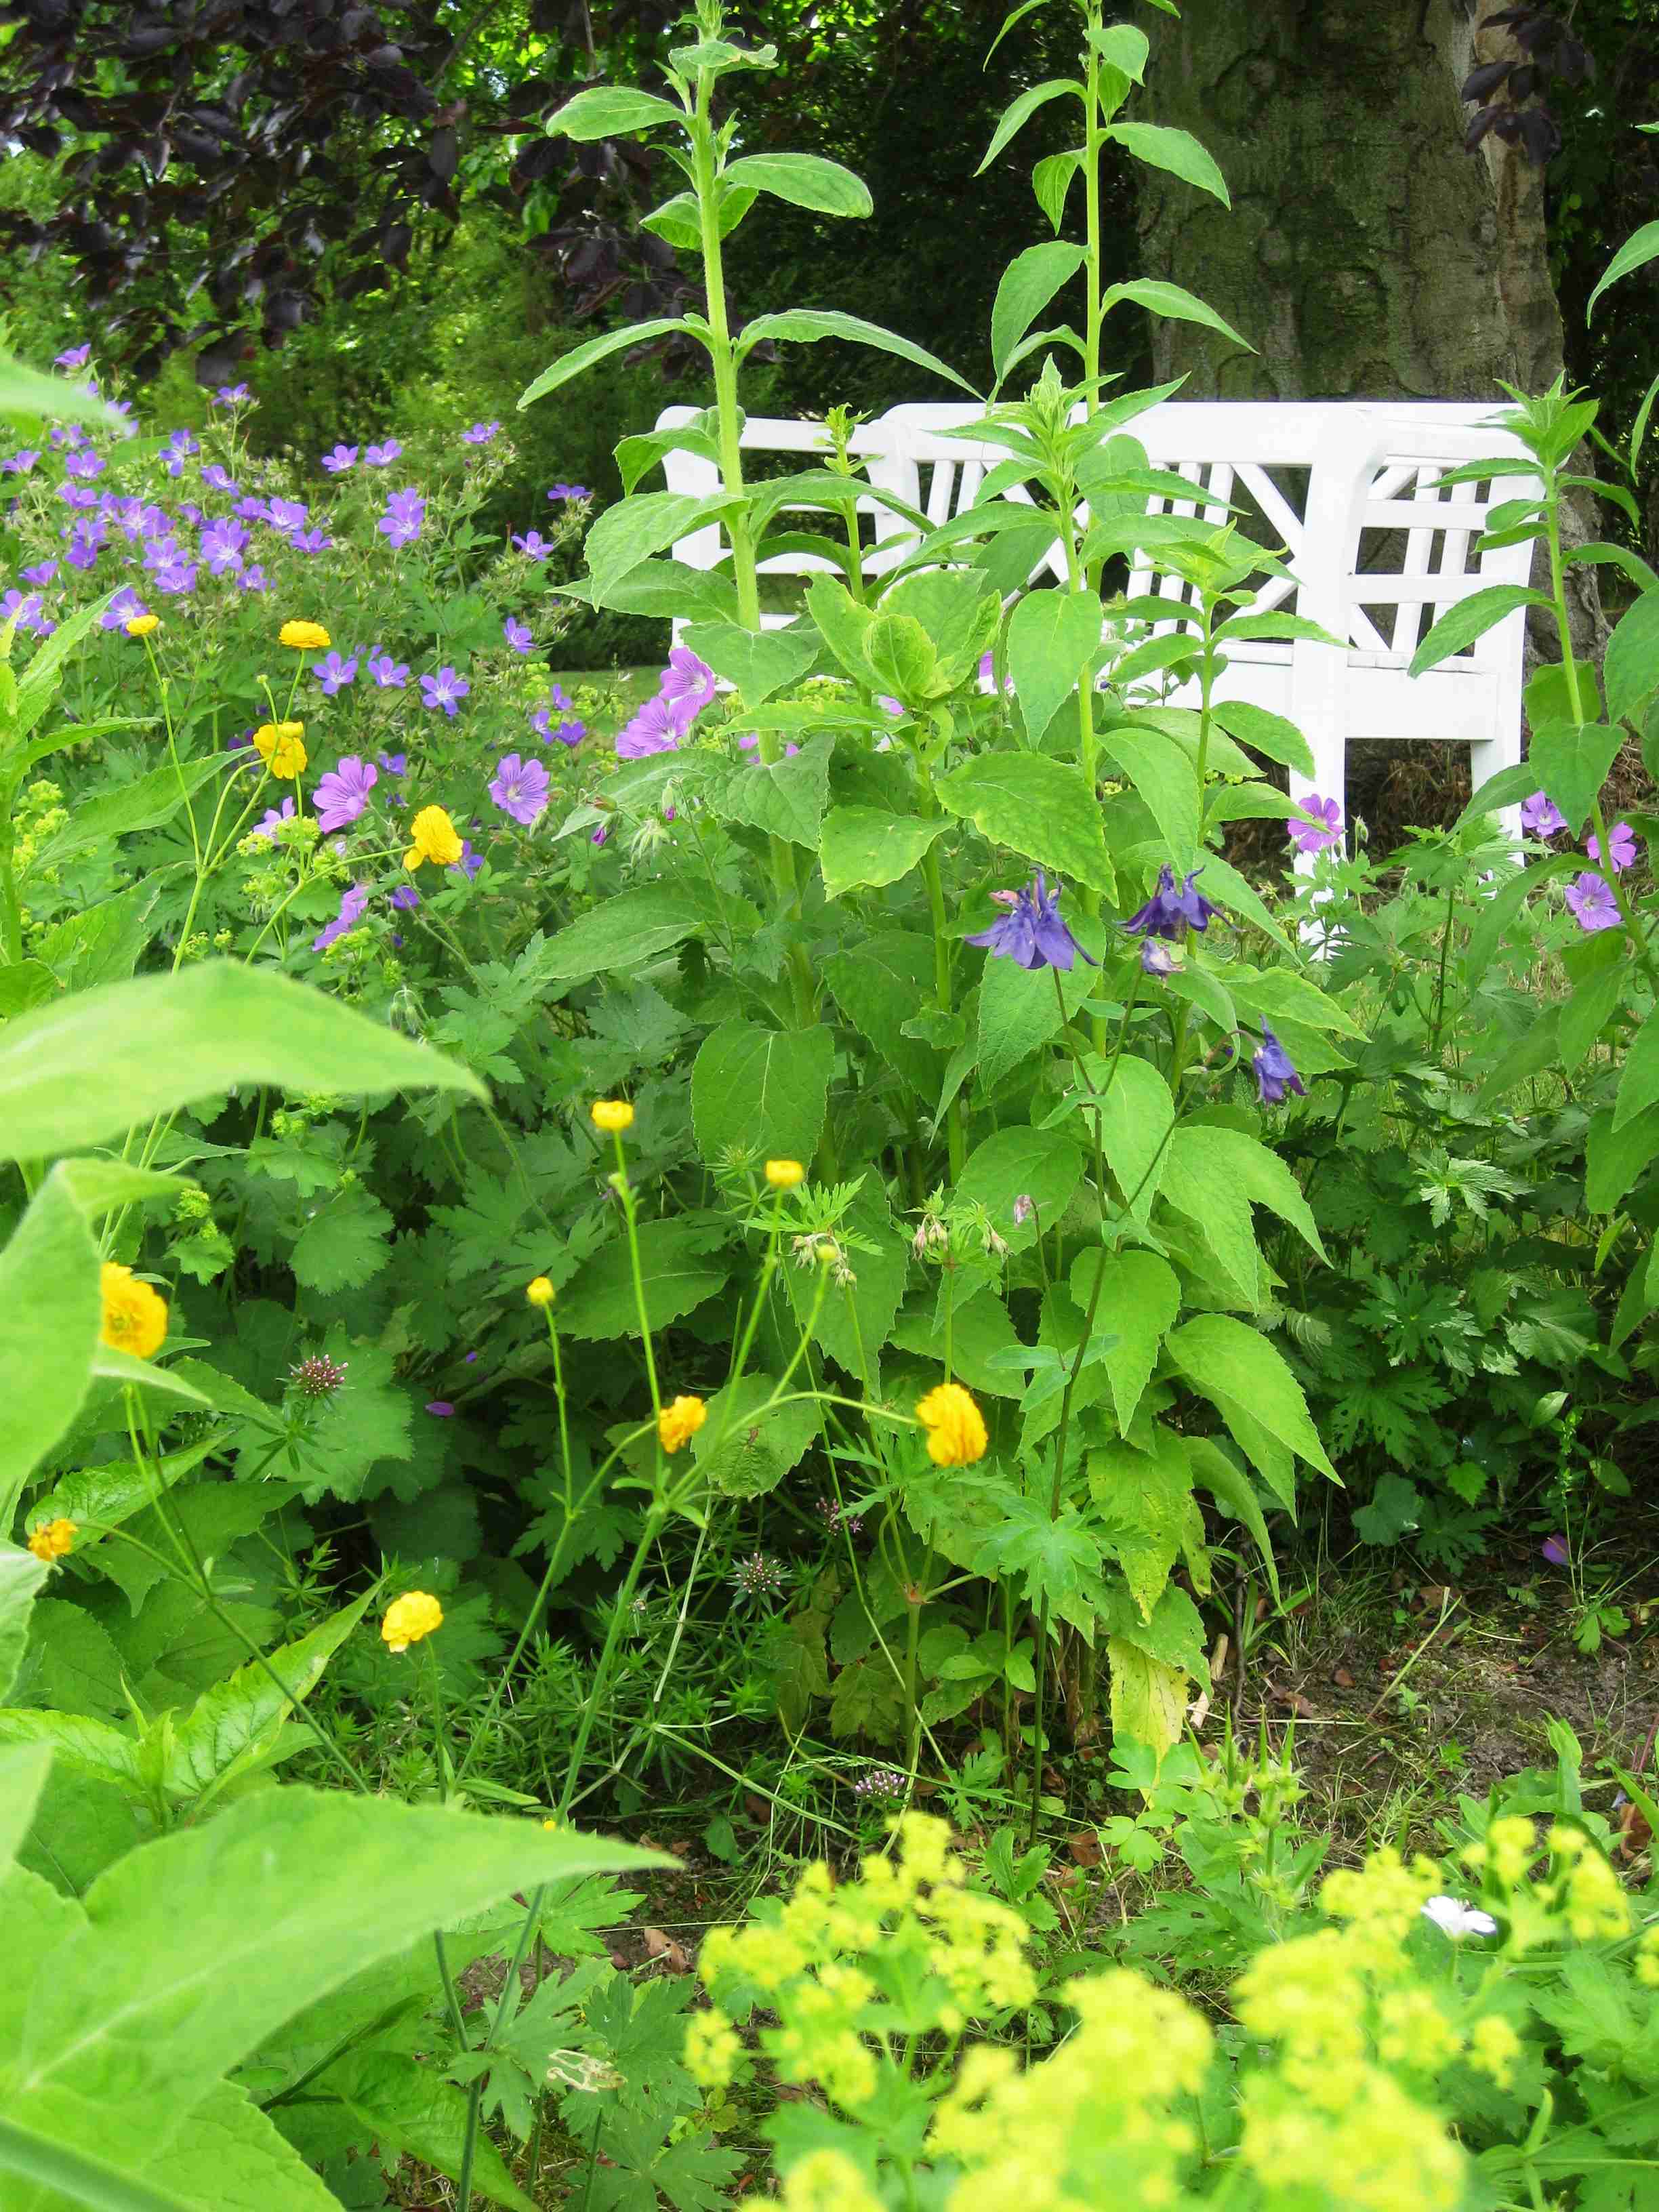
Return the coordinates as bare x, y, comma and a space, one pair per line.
1031, 932
1169, 911
1275, 1075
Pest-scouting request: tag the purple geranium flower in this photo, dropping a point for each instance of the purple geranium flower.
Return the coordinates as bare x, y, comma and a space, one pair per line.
517, 634
558, 696
395, 764
175, 578
1169, 911
352, 903
333, 673
1031, 932
532, 545
405, 897
688, 681
86, 465
19, 464
24, 609
470, 862
287, 514
480, 433
342, 458
405, 511
222, 543
275, 818
520, 789
216, 474
315, 540
73, 357
381, 456
1554, 1549
1540, 818
562, 492
446, 689
85, 542
1274, 1074
177, 450
230, 395
1593, 904
124, 608
389, 675
77, 496
1621, 845
1321, 829
343, 793
253, 579
659, 726
41, 572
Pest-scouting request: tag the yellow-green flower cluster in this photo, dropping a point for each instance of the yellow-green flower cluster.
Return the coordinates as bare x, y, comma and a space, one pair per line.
906, 1949
1092, 2125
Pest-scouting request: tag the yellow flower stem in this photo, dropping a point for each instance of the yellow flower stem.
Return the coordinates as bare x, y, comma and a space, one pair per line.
768, 1267
624, 1191
172, 746
479, 1733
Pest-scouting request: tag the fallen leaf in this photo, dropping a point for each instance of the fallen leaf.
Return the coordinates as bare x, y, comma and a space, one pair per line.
1084, 1848
1343, 1678
660, 1946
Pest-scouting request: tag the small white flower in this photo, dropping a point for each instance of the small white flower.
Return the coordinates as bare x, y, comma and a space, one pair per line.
1455, 1918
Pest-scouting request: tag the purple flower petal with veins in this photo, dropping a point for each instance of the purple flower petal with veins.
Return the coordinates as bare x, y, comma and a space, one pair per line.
519, 788
343, 793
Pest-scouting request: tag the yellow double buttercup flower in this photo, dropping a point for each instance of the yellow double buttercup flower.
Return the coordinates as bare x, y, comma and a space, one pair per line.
433, 836
304, 637
281, 746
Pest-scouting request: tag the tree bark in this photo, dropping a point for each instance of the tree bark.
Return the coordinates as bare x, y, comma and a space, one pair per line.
1366, 255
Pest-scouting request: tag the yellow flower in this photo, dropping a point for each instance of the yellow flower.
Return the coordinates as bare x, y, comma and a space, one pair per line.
304, 637
52, 1539
784, 1175
278, 745
955, 1426
678, 1424
409, 1618
611, 1115
135, 1316
142, 625
540, 1293
553, 1824
433, 836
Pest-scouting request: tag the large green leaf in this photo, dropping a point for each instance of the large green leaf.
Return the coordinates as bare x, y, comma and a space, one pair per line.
880, 984
194, 1948
805, 180
596, 350
1175, 304
23, 1772
48, 2175
1053, 638
20, 1577
411, 2111
863, 847
49, 1294
1569, 761
1227, 1359
631, 532
785, 797
1139, 1298
1177, 151
231, 1725
757, 662
806, 325
1471, 618
1028, 283
635, 926
1042, 1164
1135, 1115
1036, 806
1164, 777
1630, 670
1233, 1491
763, 1091
82, 1071
37, 398
1641, 248
1020, 112
144, 803
611, 111
1265, 733
1019, 1011
230, 2158
1149, 1699
681, 1264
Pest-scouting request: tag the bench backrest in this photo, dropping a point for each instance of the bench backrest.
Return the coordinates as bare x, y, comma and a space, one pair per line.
1349, 489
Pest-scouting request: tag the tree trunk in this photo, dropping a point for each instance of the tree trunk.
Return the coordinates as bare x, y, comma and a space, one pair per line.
1366, 255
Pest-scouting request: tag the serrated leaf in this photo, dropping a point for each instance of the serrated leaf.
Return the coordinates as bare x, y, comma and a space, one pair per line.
1226, 1359
761, 1089
1041, 808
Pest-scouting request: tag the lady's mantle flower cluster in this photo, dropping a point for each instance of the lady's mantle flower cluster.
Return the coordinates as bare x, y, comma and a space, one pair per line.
906, 1949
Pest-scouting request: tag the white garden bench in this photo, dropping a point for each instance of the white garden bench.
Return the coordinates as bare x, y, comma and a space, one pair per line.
1351, 491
